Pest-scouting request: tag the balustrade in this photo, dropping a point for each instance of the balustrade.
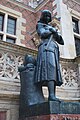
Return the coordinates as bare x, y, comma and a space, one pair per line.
11, 56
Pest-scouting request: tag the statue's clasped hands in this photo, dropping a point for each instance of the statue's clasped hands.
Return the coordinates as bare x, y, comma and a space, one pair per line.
53, 30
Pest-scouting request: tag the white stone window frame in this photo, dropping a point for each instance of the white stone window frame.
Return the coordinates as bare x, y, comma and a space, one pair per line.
15, 14
7, 112
19, 0
76, 15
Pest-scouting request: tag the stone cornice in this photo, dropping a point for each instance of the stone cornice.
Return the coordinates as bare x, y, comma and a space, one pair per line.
76, 59
4, 95
16, 48
66, 60
23, 50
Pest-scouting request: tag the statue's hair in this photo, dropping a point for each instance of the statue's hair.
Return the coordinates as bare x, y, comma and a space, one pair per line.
43, 13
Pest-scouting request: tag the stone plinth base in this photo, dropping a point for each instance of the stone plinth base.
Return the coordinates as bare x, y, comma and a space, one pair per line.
52, 110
55, 117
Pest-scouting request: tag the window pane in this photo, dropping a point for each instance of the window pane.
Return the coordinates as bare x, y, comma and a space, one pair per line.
77, 44
11, 20
11, 25
10, 40
1, 21
75, 25
1, 37
10, 30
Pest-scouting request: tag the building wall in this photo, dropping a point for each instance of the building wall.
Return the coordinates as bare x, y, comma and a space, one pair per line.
69, 9
11, 57
27, 18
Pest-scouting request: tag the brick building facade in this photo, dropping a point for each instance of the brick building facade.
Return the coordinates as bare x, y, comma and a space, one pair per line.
18, 36
27, 17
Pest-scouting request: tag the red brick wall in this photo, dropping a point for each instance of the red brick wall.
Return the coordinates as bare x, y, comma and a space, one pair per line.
29, 1
2, 115
72, 4
31, 19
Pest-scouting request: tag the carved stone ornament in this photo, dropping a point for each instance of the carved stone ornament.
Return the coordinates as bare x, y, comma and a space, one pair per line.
11, 57
70, 75
8, 65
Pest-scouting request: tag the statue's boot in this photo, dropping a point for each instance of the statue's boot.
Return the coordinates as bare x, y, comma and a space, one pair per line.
51, 89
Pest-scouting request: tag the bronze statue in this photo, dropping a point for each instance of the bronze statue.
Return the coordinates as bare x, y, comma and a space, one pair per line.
48, 69
43, 72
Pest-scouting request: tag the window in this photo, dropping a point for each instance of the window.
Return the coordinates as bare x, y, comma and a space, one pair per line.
76, 32
75, 23
1, 37
11, 40
7, 28
11, 26
1, 22
77, 44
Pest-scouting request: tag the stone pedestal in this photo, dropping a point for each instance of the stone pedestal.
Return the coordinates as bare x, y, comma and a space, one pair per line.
52, 110
55, 117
